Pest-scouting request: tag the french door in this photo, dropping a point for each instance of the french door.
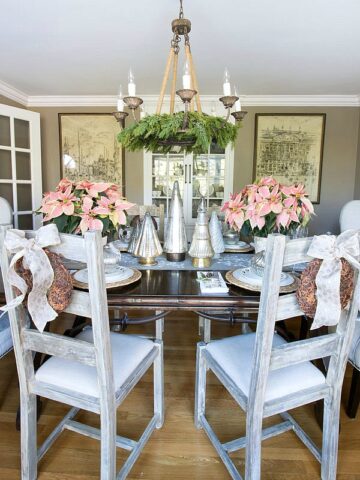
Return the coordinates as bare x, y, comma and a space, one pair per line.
20, 164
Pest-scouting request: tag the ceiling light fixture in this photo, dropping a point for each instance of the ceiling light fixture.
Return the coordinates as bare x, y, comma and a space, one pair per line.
190, 130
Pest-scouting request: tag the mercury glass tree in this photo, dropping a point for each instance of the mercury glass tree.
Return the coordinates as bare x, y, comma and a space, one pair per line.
201, 250
216, 236
175, 245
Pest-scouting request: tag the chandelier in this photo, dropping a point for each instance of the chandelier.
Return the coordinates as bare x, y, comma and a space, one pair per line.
189, 130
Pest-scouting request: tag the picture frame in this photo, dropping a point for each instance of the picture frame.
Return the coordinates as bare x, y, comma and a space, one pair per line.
289, 146
89, 148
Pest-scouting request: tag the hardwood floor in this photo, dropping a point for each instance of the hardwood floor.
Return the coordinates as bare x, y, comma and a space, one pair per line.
178, 450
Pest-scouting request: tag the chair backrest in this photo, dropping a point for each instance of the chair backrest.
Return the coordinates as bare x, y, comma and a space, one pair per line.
274, 307
6, 218
6, 212
91, 304
350, 216
156, 211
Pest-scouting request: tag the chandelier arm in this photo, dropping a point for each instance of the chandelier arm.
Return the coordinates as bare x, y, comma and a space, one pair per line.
228, 114
173, 83
193, 75
164, 82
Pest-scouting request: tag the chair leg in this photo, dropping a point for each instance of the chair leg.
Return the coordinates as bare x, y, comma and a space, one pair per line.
354, 396
330, 436
28, 437
108, 443
159, 386
200, 384
253, 446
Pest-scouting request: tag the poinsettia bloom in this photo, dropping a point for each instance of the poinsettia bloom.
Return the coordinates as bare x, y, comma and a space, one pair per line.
269, 200
93, 189
88, 219
250, 192
57, 203
287, 216
64, 184
297, 193
268, 181
115, 210
252, 214
113, 194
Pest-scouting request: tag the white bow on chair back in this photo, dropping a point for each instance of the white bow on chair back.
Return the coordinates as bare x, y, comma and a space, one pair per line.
331, 249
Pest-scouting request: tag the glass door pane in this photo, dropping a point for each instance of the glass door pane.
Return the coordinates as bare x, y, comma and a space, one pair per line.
165, 170
4, 131
208, 179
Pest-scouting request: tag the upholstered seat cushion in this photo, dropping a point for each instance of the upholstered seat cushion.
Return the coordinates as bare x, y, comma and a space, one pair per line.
5, 335
234, 355
355, 348
128, 351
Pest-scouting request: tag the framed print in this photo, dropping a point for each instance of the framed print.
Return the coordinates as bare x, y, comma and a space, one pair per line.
289, 147
89, 148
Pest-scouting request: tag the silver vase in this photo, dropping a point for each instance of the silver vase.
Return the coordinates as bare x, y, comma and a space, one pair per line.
147, 245
175, 245
134, 236
257, 262
201, 249
216, 236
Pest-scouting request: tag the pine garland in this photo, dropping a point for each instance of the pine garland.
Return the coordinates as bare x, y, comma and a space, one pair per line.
203, 129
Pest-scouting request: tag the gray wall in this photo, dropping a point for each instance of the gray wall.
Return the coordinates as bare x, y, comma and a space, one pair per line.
357, 175
341, 163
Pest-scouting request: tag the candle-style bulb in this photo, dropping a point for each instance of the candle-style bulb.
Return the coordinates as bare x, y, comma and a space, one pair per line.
131, 84
226, 76
131, 77
226, 84
237, 103
120, 102
186, 76
142, 112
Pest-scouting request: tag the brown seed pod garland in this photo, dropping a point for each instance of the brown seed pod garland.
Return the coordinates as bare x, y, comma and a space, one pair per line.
306, 292
59, 294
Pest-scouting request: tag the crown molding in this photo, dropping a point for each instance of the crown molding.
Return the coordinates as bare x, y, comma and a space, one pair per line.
246, 100
13, 93
150, 101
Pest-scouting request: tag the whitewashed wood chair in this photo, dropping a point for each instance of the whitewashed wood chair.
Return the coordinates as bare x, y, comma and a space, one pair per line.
94, 371
268, 376
6, 217
350, 219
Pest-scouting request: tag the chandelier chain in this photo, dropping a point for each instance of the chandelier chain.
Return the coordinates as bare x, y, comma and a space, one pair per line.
181, 13
175, 43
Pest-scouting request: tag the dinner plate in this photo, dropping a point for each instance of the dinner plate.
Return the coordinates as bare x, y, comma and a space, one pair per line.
247, 275
236, 246
113, 273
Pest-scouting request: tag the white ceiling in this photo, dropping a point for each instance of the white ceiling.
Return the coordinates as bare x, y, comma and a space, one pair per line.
85, 47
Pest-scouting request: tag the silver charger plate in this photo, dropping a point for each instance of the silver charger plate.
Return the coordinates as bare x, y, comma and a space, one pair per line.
246, 278
113, 274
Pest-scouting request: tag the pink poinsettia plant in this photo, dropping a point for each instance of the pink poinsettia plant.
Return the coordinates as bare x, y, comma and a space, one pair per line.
267, 206
76, 207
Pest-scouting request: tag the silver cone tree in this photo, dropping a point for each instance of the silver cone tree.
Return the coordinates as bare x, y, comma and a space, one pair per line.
147, 245
201, 249
216, 236
175, 245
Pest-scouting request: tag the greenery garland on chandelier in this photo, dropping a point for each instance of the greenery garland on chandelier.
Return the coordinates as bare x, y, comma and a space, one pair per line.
153, 131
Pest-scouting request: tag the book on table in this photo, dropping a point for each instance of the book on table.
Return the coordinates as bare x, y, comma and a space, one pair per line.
211, 282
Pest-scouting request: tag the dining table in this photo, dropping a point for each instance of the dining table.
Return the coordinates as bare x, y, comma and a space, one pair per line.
173, 286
